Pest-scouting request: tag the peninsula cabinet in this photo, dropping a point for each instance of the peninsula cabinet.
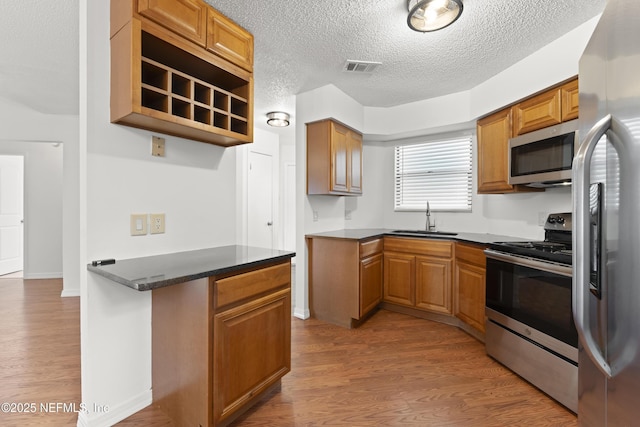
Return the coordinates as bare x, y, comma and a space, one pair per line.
334, 159
219, 343
418, 273
181, 68
469, 285
345, 279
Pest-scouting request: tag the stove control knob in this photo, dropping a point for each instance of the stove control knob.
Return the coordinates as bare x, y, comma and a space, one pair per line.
560, 220
551, 220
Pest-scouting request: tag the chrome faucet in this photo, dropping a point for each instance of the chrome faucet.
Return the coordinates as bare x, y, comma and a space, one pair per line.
429, 226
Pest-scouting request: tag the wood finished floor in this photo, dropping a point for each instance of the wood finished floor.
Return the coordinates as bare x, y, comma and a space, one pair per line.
394, 370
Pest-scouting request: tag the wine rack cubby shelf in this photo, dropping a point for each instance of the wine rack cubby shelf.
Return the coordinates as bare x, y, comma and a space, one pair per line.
165, 84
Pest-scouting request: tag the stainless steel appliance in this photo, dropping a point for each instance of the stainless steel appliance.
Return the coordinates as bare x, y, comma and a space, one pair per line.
543, 158
606, 200
529, 324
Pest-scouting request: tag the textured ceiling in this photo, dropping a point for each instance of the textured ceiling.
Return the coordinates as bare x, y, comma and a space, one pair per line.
39, 54
302, 45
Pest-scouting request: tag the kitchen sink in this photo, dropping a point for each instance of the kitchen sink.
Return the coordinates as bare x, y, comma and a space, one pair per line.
424, 233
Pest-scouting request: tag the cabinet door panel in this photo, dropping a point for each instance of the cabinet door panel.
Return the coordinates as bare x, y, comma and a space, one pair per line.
399, 276
570, 100
339, 160
187, 18
493, 144
370, 283
433, 284
355, 159
470, 294
538, 112
226, 39
252, 350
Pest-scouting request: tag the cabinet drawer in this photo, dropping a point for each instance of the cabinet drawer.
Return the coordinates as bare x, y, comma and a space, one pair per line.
472, 254
432, 247
242, 286
371, 247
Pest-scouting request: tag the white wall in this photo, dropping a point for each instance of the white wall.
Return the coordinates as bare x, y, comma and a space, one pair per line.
504, 214
49, 234
42, 206
194, 185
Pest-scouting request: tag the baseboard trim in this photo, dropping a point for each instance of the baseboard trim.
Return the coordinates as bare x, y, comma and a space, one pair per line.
32, 276
115, 414
301, 313
70, 293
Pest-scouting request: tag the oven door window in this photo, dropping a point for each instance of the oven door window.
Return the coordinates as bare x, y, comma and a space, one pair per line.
539, 299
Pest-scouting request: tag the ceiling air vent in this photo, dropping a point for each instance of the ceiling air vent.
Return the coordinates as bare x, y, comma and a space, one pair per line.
360, 66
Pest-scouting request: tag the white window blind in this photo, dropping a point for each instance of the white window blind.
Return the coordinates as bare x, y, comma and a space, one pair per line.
438, 172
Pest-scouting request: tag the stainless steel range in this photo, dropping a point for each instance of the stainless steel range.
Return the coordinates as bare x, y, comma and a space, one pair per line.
530, 325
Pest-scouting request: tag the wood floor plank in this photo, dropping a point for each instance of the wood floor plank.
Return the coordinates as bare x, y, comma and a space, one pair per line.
39, 353
394, 370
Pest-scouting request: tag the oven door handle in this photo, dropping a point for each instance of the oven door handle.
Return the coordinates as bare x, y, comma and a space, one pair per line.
582, 244
549, 267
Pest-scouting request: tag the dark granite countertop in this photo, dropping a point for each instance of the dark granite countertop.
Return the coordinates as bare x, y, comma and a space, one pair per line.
372, 233
147, 273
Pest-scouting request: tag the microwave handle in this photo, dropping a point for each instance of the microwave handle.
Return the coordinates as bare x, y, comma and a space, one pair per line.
582, 241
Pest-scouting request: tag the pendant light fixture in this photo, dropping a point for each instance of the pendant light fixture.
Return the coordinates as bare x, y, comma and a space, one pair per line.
432, 15
278, 119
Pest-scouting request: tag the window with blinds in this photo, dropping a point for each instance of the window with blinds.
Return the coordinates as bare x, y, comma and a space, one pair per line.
438, 172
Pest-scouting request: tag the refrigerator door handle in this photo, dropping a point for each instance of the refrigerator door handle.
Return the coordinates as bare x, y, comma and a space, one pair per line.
582, 241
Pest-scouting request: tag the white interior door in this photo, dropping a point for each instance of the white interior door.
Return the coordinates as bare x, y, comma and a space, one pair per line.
260, 217
11, 213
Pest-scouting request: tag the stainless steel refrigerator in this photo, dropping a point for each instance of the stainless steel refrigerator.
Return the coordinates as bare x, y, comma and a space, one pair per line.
606, 237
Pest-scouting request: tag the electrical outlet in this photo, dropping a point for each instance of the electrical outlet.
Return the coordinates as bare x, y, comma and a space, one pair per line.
315, 215
157, 223
138, 224
347, 215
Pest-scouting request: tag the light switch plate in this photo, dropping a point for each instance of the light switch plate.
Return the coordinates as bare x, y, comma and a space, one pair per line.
138, 224
157, 223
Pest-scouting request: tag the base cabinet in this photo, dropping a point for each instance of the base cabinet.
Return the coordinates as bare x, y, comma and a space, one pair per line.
345, 279
417, 273
253, 342
470, 274
219, 343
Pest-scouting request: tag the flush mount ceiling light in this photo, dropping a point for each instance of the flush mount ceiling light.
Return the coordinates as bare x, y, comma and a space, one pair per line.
432, 15
278, 119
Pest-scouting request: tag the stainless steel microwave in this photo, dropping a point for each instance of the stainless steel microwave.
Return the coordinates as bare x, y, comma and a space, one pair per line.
544, 158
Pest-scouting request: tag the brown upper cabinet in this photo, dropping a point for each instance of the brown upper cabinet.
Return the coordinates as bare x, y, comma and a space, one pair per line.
334, 159
187, 18
548, 108
536, 113
569, 96
231, 42
164, 79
